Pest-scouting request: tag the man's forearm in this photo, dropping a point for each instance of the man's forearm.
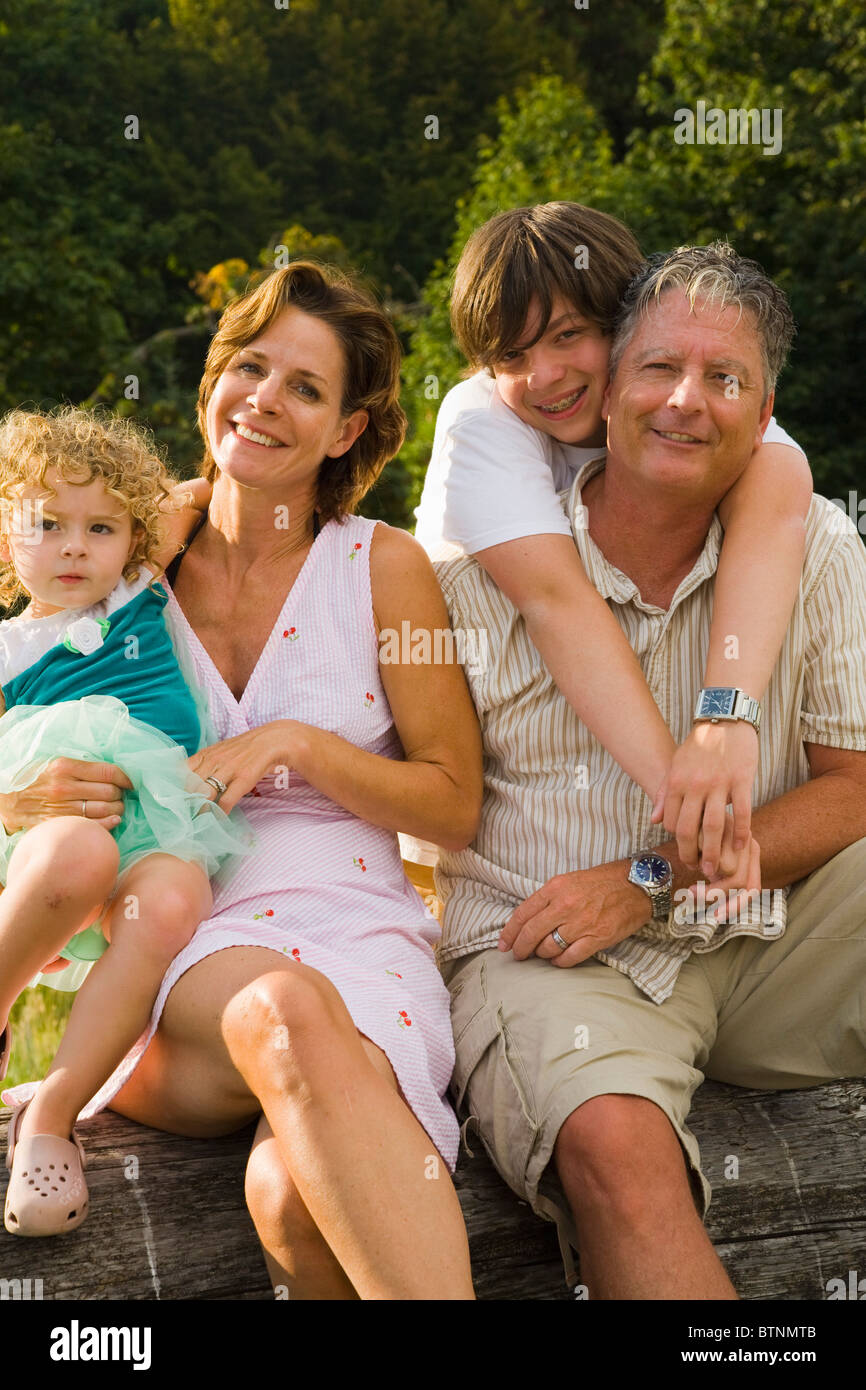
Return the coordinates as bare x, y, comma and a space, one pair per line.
799, 831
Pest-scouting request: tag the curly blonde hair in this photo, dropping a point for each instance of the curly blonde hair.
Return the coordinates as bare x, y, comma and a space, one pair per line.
83, 445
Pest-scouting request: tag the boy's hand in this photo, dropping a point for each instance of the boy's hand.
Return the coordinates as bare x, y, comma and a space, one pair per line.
715, 767
740, 870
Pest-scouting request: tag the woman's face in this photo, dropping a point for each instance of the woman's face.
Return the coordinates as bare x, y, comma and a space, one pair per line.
275, 412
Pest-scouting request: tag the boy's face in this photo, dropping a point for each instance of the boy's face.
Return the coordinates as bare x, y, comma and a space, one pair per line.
68, 550
558, 384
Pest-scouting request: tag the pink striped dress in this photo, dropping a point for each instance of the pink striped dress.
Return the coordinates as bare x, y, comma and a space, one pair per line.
322, 886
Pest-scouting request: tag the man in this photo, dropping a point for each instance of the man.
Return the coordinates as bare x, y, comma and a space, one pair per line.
582, 1032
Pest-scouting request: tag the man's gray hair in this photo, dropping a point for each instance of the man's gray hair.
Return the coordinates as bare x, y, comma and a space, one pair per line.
715, 273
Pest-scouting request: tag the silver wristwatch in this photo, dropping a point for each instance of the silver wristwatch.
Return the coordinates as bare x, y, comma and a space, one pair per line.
723, 702
653, 873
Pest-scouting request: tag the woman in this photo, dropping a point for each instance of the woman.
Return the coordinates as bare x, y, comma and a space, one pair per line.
328, 1017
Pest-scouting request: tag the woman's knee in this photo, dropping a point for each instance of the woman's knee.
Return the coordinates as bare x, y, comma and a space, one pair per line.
274, 1203
280, 1019
75, 858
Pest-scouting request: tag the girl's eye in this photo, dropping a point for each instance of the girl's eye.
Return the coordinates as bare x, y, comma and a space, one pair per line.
47, 523
102, 526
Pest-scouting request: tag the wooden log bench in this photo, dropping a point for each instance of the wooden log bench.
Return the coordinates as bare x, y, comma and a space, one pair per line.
168, 1219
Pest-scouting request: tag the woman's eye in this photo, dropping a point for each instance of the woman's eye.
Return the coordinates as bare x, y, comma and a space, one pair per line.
248, 367
305, 388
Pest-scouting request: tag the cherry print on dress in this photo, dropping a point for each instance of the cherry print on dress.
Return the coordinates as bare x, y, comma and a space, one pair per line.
404, 1020
361, 865
291, 633
353, 553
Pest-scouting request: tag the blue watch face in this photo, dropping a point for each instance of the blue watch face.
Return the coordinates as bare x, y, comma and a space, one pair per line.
716, 701
652, 869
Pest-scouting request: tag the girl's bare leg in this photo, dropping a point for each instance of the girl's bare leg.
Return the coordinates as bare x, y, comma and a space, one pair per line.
245, 1030
60, 874
158, 905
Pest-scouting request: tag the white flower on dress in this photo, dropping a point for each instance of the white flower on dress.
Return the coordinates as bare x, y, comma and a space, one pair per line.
86, 635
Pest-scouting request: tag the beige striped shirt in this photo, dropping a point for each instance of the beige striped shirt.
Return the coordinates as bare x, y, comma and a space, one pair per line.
555, 801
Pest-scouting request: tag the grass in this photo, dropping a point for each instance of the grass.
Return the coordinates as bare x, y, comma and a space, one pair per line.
38, 1019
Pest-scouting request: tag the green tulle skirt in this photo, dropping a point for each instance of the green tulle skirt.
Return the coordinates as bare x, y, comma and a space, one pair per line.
168, 810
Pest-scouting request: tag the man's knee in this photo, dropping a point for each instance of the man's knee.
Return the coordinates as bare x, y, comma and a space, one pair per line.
618, 1148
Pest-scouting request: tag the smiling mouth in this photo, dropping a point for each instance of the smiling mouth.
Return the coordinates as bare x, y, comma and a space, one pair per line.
561, 406
675, 438
255, 438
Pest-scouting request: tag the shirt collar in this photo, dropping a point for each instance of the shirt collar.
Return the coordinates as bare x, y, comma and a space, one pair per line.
605, 577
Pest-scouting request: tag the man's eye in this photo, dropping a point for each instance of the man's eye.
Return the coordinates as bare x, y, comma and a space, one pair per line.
658, 366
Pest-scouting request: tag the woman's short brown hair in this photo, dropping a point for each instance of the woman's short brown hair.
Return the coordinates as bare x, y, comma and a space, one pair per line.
371, 351
536, 252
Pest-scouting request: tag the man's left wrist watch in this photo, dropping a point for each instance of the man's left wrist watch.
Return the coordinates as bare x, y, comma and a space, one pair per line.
717, 702
653, 873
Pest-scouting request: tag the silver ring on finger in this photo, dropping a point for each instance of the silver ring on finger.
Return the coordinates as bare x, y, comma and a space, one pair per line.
84, 809
219, 787
560, 941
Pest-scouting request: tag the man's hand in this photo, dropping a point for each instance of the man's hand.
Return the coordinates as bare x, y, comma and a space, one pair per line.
64, 789
714, 767
590, 909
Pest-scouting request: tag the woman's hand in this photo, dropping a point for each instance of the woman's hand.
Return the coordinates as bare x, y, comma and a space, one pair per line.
244, 760
67, 787
714, 767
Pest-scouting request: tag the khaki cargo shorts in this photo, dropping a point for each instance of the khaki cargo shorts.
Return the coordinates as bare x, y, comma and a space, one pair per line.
535, 1042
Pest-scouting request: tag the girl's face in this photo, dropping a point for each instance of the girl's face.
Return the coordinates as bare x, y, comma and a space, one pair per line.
69, 549
558, 384
275, 412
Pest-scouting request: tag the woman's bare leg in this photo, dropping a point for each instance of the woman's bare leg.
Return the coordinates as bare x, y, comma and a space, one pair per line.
59, 876
245, 1030
158, 905
298, 1257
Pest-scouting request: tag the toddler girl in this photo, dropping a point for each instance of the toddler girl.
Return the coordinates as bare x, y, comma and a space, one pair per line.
89, 671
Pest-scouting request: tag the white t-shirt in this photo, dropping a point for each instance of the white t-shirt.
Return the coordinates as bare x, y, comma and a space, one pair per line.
494, 478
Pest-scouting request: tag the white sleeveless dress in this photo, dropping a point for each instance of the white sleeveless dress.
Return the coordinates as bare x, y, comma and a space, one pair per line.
322, 886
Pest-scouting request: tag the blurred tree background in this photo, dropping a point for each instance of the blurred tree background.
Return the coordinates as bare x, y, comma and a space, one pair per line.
154, 154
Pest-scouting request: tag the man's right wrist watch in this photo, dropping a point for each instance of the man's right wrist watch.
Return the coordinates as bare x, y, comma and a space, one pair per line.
653, 873
717, 702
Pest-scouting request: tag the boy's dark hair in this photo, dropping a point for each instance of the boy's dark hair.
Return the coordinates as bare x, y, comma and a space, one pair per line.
536, 253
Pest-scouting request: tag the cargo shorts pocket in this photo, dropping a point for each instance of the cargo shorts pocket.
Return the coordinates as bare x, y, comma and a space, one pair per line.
490, 1082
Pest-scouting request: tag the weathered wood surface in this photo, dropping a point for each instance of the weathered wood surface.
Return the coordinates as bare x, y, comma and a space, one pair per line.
176, 1228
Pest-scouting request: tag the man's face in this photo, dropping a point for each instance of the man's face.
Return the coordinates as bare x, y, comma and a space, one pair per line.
557, 385
684, 408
